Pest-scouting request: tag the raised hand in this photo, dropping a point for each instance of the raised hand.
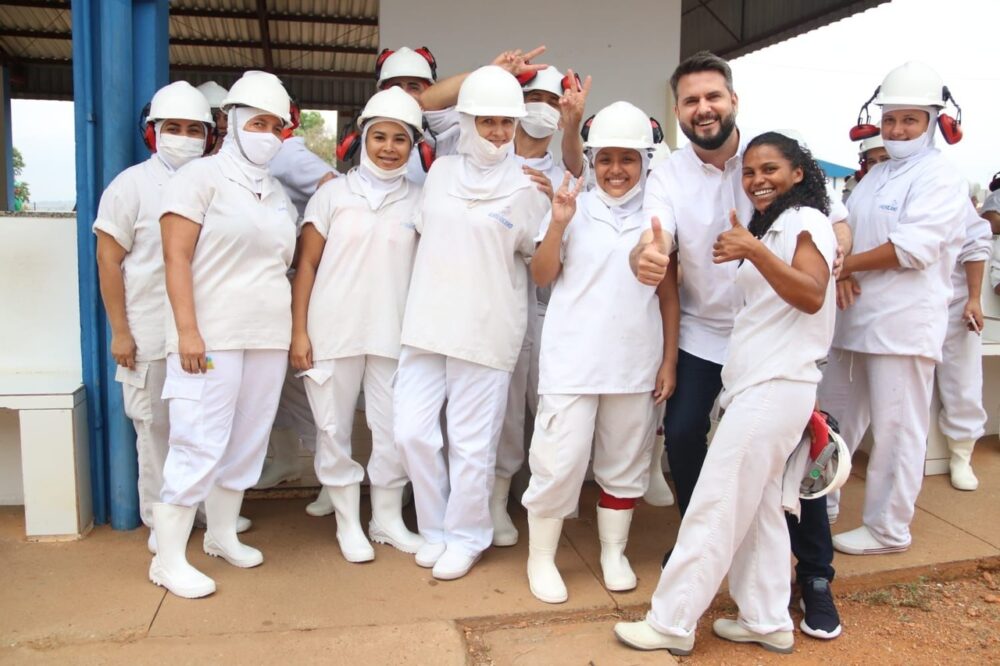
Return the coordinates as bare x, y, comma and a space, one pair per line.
736, 243
573, 101
654, 257
564, 200
519, 63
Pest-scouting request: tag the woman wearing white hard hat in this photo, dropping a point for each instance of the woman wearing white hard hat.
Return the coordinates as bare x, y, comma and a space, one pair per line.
349, 294
735, 523
215, 94
552, 101
605, 360
908, 216
466, 316
228, 238
177, 129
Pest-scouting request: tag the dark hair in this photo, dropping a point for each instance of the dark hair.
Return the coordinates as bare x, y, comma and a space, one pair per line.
811, 191
702, 61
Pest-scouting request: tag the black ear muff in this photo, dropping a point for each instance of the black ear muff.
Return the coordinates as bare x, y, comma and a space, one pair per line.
585, 128
864, 129
995, 183
431, 60
657, 130
147, 130
380, 60
349, 143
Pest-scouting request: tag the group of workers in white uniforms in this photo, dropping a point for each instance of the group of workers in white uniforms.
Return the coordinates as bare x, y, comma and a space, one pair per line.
439, 274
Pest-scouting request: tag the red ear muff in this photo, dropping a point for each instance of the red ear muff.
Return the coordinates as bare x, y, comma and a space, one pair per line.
951, 128
431, 60
995, 183
571, 82
585, 128
149, 137
864, 131
348, 145
524, 78
657, 130
382, 57
426, 153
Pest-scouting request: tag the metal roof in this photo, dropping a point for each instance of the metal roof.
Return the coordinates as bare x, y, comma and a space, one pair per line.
324, 50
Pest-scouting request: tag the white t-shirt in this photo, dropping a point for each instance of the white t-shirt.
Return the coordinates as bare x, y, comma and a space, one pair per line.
242, 297
299, 170
771, 339
693, 200
919, 205
359, 296
129, 212
603, 332
991, 203
977, 246
467, 297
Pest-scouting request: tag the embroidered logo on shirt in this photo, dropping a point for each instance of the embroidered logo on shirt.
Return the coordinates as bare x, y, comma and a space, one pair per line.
501, 217
892, 206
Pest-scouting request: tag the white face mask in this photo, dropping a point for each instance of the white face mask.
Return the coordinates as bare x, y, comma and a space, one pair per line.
542, 120
258, 147
615, 202
900, 150
482, 152
178, 150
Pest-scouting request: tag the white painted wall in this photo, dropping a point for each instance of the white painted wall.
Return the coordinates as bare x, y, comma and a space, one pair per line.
39, 318
630, 47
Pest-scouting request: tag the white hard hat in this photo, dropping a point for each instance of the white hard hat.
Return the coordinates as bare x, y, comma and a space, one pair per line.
549, 79
491, 91
871, 142
620, 125
261, 90
829, 471
660, 154
912, 84
395, 104
179, 100
214, 93
405, 62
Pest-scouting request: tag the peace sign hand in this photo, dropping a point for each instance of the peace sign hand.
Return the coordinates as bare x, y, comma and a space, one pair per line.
517, 62
573, 101
564, 200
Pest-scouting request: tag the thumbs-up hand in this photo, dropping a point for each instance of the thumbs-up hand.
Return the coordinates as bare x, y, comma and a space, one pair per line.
654, 256
736, 243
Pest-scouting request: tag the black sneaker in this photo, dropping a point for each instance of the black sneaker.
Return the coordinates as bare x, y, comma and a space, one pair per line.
821, 619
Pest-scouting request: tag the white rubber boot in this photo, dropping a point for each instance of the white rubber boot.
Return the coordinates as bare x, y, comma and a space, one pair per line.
658, 493
504, 532
321, 506
222, 510
283, 466
387, 524
242, 523
347, 505
151, 541
170, 568
960, 465
612, 529
543, 576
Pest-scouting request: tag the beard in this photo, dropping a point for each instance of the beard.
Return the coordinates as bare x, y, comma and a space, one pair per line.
726, 126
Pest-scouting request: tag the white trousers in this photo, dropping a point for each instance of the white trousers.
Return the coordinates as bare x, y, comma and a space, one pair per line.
510, 451
333, 386
219, 422
452, 499
735, 522
959, 380
892, 394
621, 428
141, 391
294, 411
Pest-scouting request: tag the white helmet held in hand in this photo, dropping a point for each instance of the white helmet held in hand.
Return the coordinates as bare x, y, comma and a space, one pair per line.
179, 100
394, 104
260, 90
831, 467
405, 62
214, 93
912, 84
491, 91
549, 79
620, 125
869, 143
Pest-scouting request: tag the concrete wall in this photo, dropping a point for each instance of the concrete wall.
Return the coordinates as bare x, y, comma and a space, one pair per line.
40, 321
629, 47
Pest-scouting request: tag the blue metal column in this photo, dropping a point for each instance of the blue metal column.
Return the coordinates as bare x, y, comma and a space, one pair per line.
6, 142
119, 58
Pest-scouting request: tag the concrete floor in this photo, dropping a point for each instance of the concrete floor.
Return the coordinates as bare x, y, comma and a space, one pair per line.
90, 601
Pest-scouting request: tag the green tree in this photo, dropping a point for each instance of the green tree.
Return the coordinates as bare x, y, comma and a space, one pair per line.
22, 193
313, 129
18, 162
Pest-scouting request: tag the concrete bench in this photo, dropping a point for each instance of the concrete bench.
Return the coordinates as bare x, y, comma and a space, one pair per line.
55, 458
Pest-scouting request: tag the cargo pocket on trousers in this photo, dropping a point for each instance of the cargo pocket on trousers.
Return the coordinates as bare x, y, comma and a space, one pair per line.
185, 388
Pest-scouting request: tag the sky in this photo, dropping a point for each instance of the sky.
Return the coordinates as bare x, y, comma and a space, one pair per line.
814, 83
